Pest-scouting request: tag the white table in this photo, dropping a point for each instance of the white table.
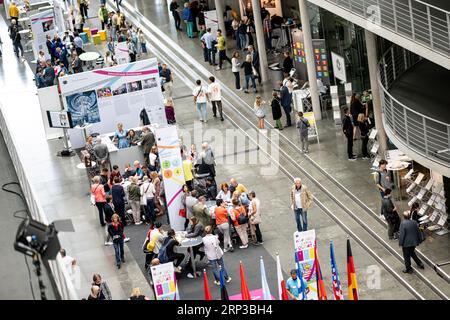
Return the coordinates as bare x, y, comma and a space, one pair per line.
84, 128
89, 57
189, 243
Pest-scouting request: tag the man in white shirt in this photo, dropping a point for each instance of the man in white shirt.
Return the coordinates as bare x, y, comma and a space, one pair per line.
199, 94
214, 253
148, 194
215, 96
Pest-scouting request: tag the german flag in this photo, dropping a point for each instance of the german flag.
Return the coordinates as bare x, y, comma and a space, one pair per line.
351, 274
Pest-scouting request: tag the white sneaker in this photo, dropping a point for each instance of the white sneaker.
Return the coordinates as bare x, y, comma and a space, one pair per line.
240, 89
190, 275
178, 269
243, 247
229, 280
126, 239
352, 159
108, 243
138, 223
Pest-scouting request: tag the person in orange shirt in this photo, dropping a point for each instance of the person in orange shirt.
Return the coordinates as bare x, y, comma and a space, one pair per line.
13, 12
241, 229
221, 214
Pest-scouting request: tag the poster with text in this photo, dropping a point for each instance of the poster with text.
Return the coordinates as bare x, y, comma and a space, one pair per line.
59, 16
105, 97
169, 153
42, 24
163, 276
304, 243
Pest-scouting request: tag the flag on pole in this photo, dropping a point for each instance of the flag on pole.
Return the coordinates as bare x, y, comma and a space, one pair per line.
337, 290
265, 286
223, 288
351, 274
300, 276
322, 293
177, 294
245, 293
282, 293
206, 286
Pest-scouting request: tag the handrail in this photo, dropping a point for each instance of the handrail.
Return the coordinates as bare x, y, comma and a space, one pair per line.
61, 276
419, 132
415, 20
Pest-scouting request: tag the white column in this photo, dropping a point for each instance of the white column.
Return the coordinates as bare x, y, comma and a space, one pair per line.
310, 61
220, 11
260, 39
373, 71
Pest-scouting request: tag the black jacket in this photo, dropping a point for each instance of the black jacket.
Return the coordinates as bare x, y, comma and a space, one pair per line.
248, 69
409, 234
347, 126
288, 64
108, 212
276, 109
116, 233
387, 209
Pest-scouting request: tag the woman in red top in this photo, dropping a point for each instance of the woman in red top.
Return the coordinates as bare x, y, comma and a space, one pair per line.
241, 229
98, 191
221, 214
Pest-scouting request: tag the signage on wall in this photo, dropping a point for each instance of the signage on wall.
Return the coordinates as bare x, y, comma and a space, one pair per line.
338, 66
320, 57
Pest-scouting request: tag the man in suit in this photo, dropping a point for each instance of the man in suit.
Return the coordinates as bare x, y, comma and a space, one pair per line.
255, 61
148, 140
286, 101
347, 128
409, 239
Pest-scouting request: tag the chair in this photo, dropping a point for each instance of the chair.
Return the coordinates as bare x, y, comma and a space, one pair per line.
88, 32
96, 39
84, 37
102, 34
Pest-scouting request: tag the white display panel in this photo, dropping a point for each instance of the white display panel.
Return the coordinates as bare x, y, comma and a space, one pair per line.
105, 97
42, 24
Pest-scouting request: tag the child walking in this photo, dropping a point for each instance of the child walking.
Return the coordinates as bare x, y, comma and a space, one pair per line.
259, 111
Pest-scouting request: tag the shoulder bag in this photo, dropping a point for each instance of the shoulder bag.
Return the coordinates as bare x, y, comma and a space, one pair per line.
242, 218
93, 195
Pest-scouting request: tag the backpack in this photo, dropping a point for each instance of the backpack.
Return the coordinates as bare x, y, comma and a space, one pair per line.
162, 255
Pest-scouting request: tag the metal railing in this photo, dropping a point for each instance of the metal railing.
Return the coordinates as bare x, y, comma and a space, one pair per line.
414, 19
63, 281
425, 135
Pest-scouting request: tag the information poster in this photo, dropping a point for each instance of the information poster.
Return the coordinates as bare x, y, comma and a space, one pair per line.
211, 21
305, 249
320, 57
338, 66
42, 24
163, 276
312, 130
169, 153
105, 97
121, 52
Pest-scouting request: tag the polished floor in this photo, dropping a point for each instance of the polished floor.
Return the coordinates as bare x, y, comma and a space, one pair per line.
62, 189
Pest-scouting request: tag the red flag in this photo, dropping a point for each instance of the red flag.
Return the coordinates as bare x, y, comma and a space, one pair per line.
282, 292
321, 291
206, 286
351, 274
244, 288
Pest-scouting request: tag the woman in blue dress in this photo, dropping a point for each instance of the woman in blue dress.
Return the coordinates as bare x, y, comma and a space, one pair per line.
121, 137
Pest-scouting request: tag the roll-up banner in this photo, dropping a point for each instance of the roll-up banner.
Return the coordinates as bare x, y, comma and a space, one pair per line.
169, 153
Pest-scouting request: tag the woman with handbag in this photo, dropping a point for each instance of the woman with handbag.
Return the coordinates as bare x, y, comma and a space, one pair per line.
98, 198
115, 230
221, 215
249, 72
254, 214
240, 221
147, 200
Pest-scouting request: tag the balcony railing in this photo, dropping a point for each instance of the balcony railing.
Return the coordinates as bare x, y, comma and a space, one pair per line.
423, 134
416, 20
61, 276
